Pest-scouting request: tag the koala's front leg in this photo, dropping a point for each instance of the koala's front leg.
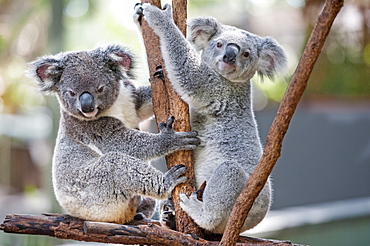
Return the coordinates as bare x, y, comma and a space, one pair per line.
184, 67
141, 145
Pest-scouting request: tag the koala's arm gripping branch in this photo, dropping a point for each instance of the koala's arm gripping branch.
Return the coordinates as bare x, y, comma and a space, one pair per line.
167, 103
280, 125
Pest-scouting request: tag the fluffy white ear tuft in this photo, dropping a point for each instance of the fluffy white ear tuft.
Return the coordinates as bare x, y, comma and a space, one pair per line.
272, 58
46, 71
117, 56
200, 31
121, 58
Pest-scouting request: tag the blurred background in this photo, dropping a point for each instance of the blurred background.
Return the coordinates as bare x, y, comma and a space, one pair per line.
322, 179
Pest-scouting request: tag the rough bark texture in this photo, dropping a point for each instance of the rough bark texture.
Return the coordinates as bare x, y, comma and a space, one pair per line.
280, 125
166, 103
67, 227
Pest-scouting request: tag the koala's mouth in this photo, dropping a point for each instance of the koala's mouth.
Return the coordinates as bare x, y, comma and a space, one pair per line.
225, 68
90, 114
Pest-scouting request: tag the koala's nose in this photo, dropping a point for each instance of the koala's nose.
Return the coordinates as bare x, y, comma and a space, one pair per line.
87, 102
232, 50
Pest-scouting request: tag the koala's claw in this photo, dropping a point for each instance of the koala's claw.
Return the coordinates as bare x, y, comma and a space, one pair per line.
178, 140
177, 167
139, 13
167, 216
159, 73
200, 191
166, 6
155, 16
139, 9
139, 216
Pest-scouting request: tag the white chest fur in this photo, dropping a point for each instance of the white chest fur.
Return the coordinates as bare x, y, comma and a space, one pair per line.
124, 108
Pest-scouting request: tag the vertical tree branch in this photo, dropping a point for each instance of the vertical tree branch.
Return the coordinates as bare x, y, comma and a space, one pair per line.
280, 125
166, 103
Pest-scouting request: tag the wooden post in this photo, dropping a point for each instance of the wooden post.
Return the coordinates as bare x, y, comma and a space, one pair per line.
168, 103
280, 125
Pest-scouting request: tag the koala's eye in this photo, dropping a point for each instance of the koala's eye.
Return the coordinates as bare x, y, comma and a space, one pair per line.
71, 93
246, 54
100, 90
219, 44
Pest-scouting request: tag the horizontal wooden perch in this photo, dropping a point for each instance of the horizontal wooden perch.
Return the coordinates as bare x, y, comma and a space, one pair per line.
66, 227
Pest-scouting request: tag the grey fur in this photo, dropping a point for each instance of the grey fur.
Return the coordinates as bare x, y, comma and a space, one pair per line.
99, 164
219, 94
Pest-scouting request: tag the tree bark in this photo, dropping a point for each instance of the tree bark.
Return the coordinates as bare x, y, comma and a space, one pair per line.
280, 125
67, 227
168, 103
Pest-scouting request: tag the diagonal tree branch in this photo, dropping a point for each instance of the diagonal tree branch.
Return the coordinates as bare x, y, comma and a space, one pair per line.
281, 123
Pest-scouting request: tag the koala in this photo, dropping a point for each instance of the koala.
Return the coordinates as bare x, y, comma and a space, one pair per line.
100, 164
217, 86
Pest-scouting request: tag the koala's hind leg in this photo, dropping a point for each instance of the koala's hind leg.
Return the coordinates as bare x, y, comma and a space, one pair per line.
145, 209
219, 196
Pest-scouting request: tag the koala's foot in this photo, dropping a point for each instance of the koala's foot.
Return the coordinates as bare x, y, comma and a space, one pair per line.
167, 214
191, 205
146, 208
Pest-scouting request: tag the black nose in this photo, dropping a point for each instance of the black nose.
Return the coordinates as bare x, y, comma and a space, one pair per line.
87, 102
232, 50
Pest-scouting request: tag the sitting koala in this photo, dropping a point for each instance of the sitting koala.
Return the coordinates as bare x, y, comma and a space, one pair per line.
217, 86
99, 166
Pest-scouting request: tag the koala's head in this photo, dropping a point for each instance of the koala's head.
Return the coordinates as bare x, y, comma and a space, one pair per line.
86, 83
234, 53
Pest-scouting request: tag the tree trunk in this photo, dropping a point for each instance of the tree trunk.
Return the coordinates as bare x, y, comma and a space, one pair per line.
168, 103
280, 125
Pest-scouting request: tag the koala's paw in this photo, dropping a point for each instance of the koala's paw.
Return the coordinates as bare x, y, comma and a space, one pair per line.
187, 140
138, 14
156, 17
178, 140
167, 214
174, 175
191, 205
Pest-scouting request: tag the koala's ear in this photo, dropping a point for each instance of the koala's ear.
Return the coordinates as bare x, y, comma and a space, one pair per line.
272, 58
116, 55
46, 71
200, 30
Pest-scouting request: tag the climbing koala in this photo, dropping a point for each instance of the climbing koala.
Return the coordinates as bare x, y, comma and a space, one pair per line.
99, 169
217, 86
